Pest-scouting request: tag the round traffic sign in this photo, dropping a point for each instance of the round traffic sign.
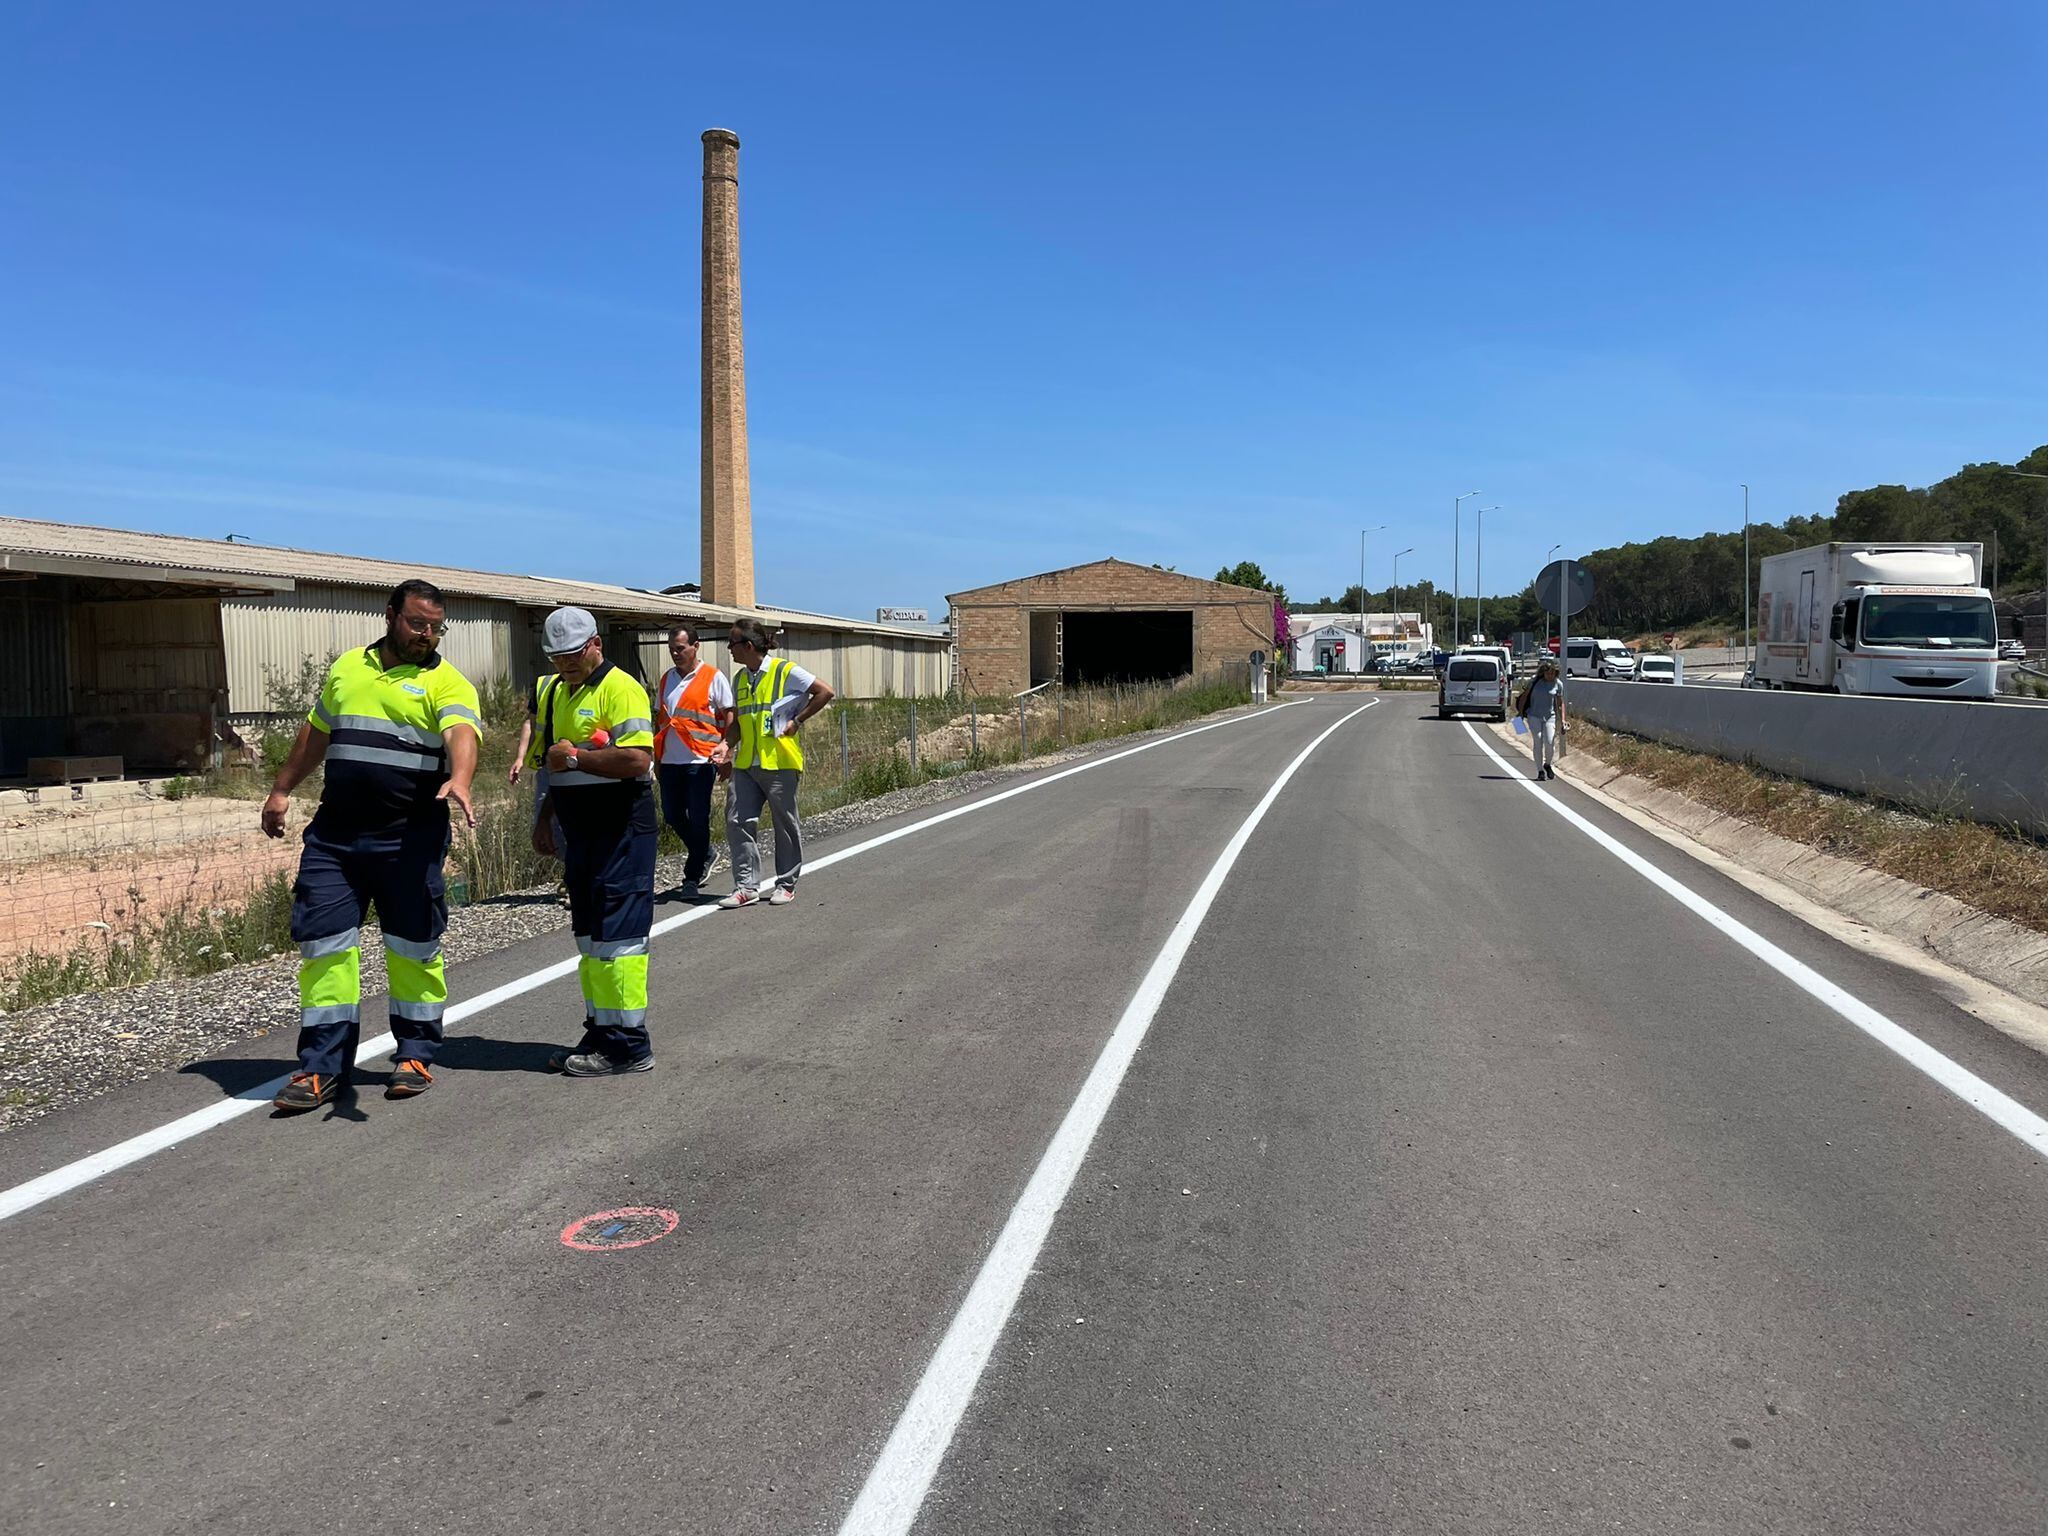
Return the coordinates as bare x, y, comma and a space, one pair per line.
1564, 587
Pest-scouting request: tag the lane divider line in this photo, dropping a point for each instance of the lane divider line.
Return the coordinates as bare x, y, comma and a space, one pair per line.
97, 1165
1993, 1103
896, 1486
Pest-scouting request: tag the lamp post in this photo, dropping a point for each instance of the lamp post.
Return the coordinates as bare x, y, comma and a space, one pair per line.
1546, 612
1748, 660
1457, 561
1479, 574
2021, 474
1399, 627
1382, 528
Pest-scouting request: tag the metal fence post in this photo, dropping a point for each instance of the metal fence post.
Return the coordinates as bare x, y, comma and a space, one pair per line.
1063, 712
973, 731
1023, 730
845, 751
913, 738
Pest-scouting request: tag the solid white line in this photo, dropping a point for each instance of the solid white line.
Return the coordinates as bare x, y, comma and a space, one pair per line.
1995, 1105
60, 1181
895, 1488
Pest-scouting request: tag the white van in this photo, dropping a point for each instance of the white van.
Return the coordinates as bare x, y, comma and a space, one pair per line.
1473, 684
1599, 658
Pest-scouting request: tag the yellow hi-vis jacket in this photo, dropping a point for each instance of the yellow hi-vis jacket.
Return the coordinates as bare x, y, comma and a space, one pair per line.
756, 706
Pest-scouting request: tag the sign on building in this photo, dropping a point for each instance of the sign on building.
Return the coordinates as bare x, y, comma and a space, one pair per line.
902, 616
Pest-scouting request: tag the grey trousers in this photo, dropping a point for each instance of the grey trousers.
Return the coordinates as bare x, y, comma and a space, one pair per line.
1543, 740
751, 789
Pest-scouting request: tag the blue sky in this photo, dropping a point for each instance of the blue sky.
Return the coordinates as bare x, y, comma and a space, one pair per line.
1024, 286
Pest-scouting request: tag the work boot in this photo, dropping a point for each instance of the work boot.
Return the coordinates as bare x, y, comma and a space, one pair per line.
408, 1079
597, 1064
307, 1090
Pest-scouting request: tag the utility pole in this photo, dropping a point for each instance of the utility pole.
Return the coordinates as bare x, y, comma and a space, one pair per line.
1399, 627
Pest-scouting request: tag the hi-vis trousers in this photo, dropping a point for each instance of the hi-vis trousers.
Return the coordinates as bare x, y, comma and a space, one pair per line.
608, 864
340, 877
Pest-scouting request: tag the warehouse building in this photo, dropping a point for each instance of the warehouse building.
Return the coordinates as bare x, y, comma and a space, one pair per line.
1109, 621
154, 648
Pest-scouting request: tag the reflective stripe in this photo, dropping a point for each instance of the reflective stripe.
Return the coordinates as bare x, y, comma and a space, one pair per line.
413, 949
332, 1013
583, 943
322, 715
333, 944
612, 1018
419, 1013
392, 728
385, 757
694, 714
614, 949
459, 712
572, 776
630, 727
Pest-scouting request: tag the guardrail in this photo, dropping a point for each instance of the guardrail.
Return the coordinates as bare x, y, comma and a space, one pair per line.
1977, 761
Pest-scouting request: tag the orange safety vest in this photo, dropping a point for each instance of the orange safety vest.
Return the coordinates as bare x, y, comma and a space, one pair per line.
693, 723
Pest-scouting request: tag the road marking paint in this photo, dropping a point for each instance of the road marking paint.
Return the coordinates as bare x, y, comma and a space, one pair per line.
1994, 1104
85, 1170
895, 1488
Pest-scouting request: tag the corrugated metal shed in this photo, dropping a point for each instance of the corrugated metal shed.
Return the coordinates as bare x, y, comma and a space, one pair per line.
270, 639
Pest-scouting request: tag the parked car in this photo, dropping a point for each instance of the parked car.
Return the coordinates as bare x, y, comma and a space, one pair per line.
1656, 669
2012, 650
1474, 683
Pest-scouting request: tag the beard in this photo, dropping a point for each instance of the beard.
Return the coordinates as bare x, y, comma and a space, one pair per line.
403, 642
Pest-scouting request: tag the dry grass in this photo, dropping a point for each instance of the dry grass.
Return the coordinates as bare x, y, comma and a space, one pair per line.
1995, 871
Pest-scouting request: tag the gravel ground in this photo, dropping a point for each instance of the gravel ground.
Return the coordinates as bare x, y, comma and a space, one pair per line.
76, 1048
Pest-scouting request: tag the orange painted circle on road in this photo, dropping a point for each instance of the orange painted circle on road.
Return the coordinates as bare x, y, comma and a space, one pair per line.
632, 1226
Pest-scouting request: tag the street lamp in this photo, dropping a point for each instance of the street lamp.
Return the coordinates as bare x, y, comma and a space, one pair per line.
1399, 628
1457, 561
1479, 575
1546, 612
2021, 474
1382, 528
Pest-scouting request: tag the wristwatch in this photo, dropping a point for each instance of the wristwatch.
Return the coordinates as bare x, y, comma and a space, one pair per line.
572, 759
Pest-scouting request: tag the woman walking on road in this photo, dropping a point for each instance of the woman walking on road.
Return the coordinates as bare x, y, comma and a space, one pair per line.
1542, 706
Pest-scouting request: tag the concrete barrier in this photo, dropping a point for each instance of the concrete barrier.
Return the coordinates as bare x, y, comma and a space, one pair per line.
1980, 762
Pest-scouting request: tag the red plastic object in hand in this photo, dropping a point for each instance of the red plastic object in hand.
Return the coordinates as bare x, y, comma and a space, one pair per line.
600, 737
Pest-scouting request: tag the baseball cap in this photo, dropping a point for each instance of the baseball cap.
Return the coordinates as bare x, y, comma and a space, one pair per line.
567, 630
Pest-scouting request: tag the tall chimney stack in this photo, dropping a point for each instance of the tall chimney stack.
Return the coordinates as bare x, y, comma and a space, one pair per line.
726, 509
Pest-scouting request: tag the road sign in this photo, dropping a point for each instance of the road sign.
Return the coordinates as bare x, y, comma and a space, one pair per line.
1564, 581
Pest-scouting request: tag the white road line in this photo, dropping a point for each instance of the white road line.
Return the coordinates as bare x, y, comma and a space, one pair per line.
889, 1501
62, 1180
1995, 1105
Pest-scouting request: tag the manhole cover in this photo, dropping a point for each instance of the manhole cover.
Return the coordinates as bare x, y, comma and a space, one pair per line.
633, 1227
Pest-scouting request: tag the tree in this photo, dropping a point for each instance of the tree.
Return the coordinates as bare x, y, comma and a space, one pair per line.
1246, 573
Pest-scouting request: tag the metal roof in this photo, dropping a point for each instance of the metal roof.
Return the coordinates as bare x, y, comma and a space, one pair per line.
123, 554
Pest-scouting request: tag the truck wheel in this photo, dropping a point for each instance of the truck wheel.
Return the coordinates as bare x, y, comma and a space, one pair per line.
1442, 713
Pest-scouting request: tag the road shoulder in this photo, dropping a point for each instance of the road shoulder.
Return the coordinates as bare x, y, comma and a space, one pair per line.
1993, 969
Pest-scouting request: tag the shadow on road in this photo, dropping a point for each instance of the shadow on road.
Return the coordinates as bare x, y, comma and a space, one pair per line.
238, 1077
475, 1053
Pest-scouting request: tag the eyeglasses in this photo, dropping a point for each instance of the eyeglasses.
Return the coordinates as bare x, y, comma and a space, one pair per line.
424, 626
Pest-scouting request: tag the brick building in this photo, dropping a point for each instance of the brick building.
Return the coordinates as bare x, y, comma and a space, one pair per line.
1102, 622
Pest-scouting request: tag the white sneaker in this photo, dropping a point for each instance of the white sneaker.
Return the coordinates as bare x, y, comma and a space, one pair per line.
781, 896
740, 898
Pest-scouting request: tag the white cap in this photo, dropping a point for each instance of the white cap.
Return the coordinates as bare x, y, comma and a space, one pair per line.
567, 630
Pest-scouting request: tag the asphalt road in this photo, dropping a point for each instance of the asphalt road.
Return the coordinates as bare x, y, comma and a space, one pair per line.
1465, 1182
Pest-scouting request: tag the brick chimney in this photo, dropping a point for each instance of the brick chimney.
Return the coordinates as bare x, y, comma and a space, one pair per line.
725, 507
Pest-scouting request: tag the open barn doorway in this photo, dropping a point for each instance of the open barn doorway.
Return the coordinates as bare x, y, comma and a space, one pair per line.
1126, 647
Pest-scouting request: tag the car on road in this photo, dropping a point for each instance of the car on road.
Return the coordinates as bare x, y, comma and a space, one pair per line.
1656, 669
1500, 653
1609, 659
1474, 683
2012, 650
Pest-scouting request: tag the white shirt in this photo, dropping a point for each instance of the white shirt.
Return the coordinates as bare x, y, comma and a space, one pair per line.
677, 748
796, 682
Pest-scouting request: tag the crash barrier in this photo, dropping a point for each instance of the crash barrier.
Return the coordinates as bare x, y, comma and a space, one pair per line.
1977, 761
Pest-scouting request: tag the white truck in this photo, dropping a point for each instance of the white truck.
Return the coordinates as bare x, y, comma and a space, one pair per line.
1907, 620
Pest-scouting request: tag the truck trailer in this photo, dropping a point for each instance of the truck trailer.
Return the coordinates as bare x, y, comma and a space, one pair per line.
1906, 620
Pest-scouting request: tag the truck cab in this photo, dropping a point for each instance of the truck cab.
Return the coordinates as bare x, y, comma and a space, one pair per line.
1894, 640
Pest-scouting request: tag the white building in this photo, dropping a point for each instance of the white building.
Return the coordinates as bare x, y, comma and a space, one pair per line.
1331, 641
